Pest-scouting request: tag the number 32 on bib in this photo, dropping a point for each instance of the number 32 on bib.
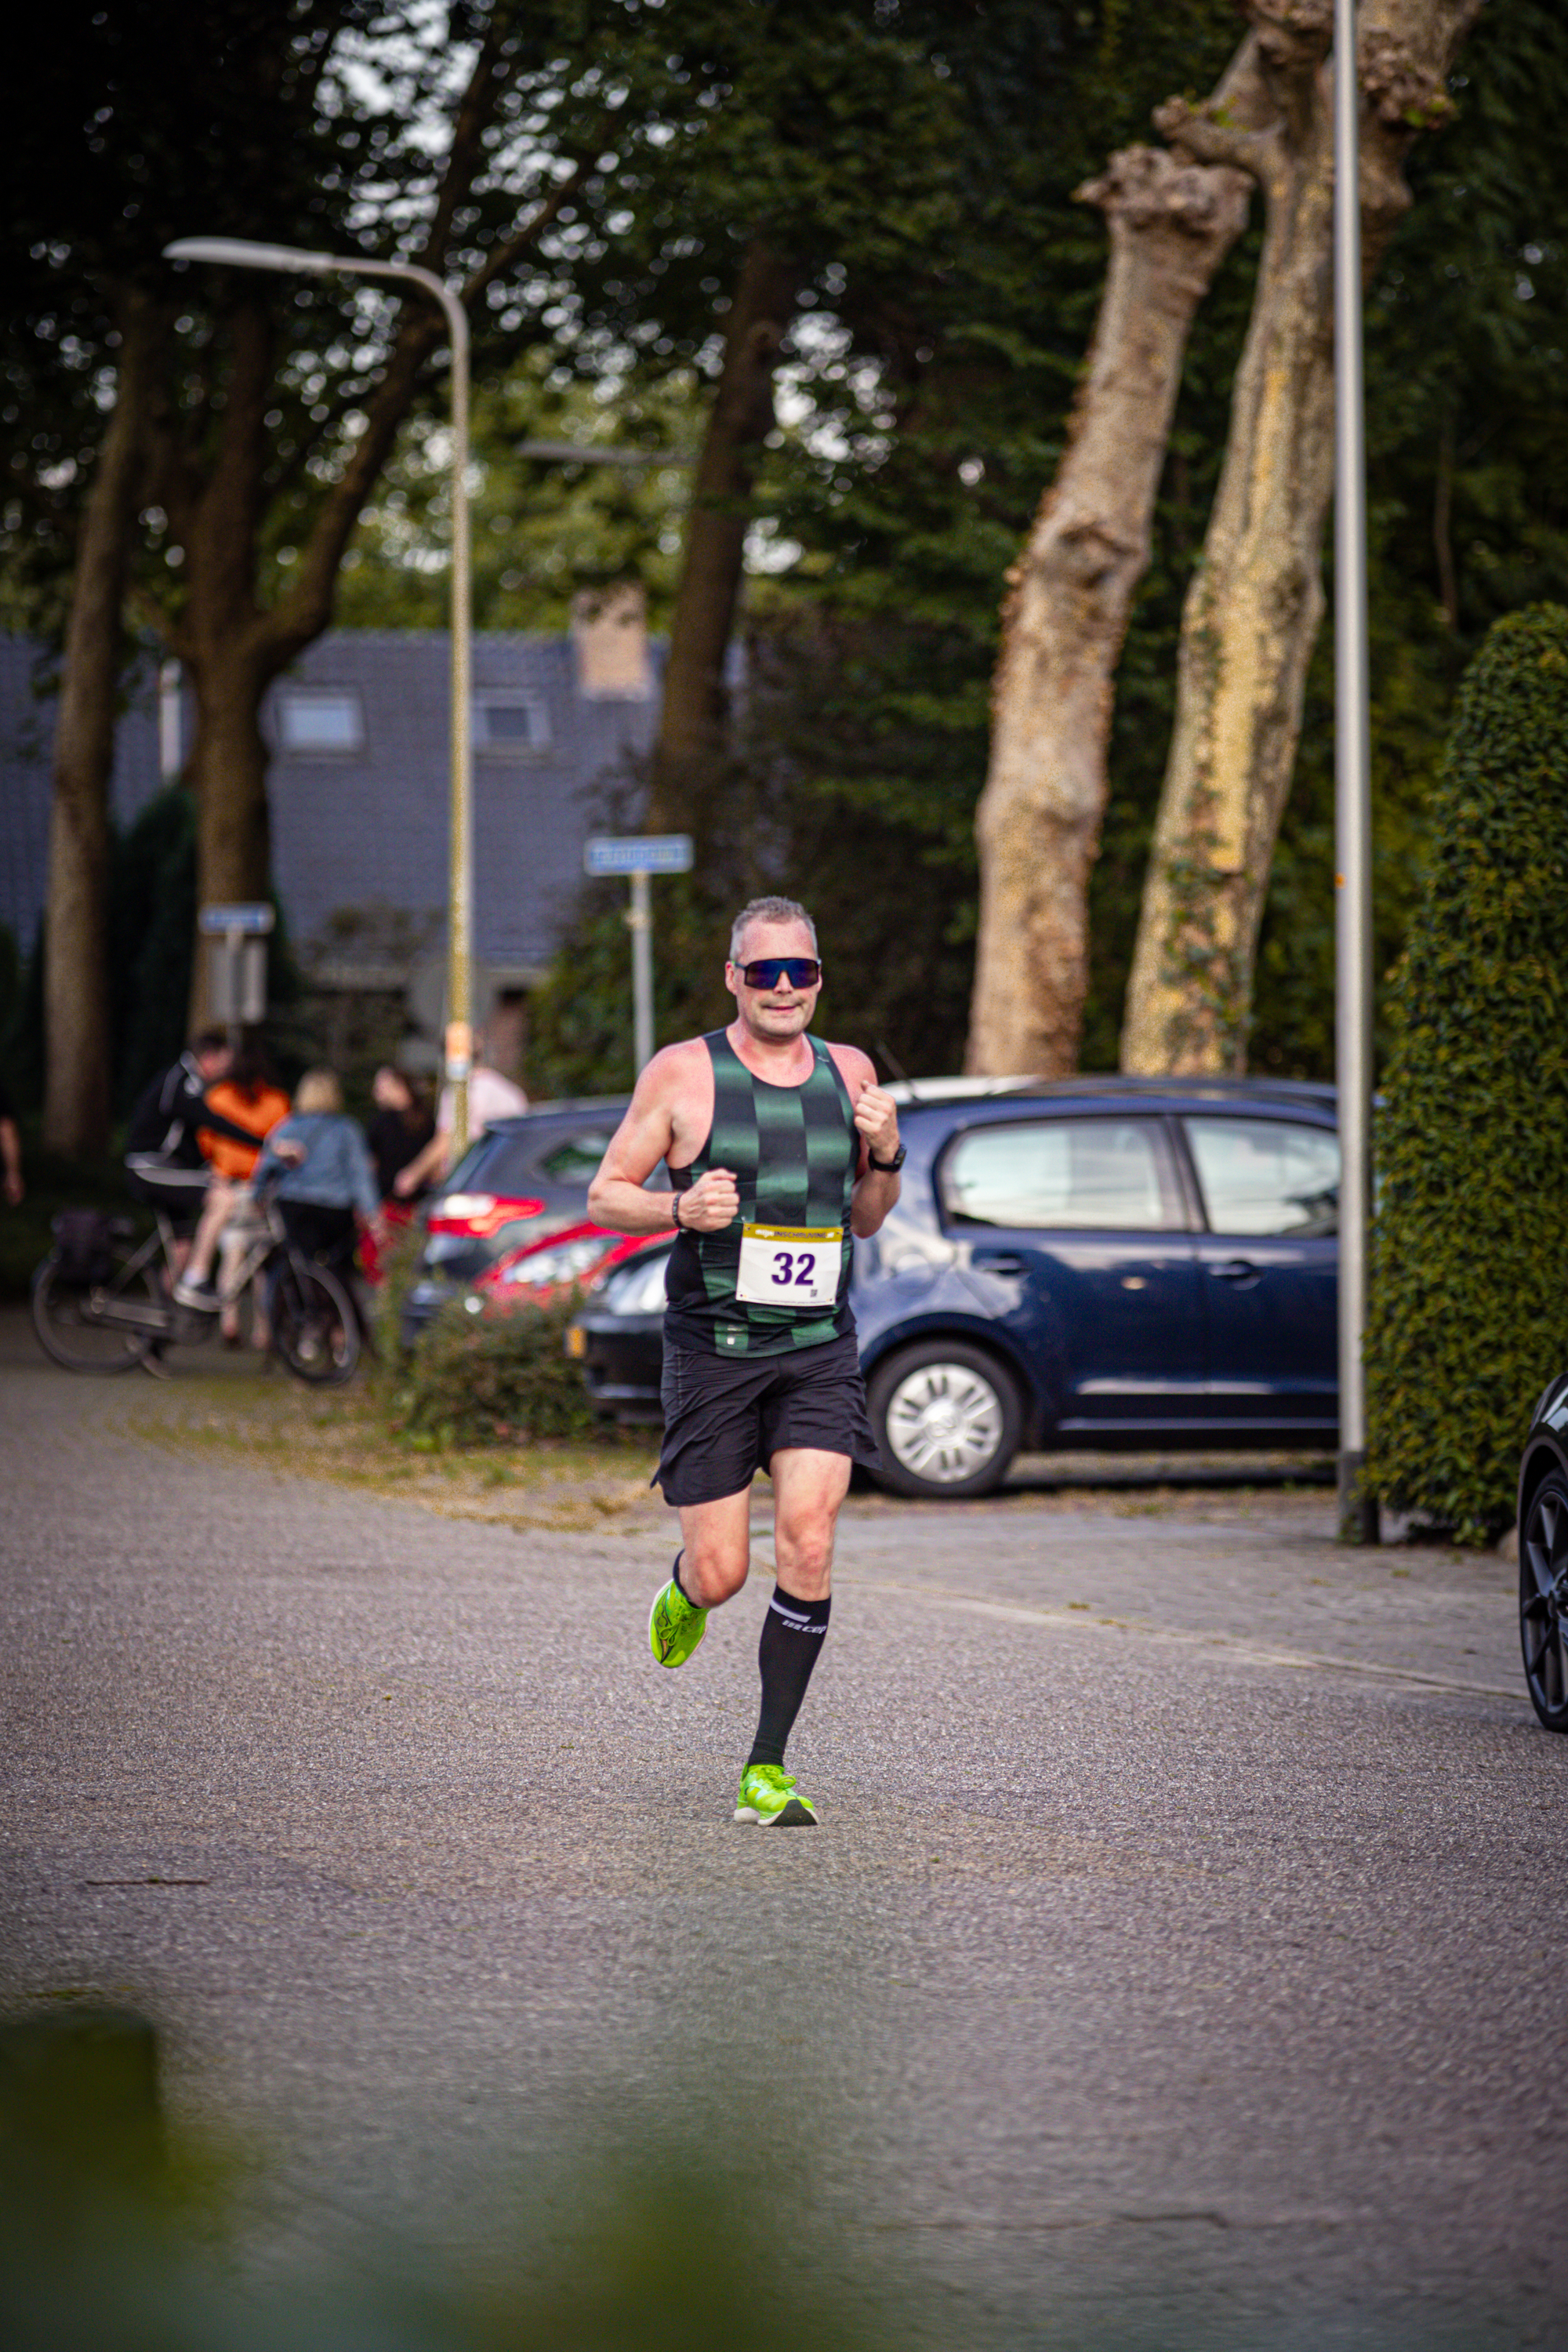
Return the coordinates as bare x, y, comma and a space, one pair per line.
789, 1265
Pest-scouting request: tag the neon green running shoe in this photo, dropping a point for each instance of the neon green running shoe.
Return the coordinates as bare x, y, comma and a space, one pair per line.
767, 1794
675, 1626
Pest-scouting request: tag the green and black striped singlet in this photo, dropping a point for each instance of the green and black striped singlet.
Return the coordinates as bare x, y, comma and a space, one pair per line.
793, 1152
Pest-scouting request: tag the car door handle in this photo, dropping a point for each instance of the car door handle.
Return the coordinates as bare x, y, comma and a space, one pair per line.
998, 1262
1239, 1270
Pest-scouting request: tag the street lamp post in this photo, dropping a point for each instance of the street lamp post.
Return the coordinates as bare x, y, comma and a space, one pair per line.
1353, 792
240, 253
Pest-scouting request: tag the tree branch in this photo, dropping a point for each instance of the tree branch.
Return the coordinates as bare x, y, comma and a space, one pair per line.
1195, 132
498, 263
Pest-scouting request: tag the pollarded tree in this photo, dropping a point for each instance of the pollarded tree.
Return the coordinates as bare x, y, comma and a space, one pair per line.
1256, 602
1469, 1310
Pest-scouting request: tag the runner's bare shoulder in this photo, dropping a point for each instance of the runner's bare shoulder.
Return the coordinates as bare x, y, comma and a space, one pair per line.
675, 1068
857, 1070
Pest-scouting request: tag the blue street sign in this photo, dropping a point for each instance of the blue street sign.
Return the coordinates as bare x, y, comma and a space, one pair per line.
257, 916
637, 852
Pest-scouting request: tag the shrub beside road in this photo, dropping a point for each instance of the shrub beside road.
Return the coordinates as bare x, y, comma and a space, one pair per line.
1469, 1310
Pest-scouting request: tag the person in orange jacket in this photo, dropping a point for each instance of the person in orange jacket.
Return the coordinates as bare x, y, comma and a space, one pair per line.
249, 1097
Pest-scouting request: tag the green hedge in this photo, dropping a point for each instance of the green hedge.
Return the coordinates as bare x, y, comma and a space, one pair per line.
494, 1380
1469, 1309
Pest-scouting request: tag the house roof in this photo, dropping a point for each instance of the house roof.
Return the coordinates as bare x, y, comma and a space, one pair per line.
361, 834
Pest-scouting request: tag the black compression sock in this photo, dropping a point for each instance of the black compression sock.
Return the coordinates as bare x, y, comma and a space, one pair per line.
792, 1640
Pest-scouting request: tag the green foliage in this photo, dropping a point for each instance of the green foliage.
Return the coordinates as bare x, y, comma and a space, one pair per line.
152, 926
1469, 1296
496, 1379
1467, 325
541, 527
121, 2228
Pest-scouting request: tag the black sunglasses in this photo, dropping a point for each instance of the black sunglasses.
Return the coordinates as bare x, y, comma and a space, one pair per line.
801, 972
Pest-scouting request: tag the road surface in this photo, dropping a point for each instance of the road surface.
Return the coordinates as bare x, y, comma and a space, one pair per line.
1180, 1952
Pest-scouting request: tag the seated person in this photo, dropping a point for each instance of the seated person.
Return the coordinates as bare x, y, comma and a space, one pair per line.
164, 1159
250, 1101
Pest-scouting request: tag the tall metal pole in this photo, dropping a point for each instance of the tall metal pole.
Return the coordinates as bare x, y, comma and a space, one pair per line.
1353, 790
460, 1040
241, 253
640, 921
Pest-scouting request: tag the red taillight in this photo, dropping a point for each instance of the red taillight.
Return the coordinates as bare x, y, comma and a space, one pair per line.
480, 1214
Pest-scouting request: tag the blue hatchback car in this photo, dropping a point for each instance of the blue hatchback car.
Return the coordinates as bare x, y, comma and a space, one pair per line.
1101, 1263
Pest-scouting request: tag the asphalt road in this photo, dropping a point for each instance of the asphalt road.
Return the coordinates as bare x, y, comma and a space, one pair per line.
1178, 1961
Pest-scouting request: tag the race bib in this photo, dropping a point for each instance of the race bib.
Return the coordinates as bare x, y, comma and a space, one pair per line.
789, 1265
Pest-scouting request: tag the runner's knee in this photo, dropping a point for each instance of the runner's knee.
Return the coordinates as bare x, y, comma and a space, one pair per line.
714, 1570
803, 1544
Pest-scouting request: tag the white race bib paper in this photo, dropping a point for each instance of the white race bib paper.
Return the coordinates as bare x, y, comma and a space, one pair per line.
789, 1265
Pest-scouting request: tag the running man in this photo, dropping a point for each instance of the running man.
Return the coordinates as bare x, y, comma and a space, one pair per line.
780, 1148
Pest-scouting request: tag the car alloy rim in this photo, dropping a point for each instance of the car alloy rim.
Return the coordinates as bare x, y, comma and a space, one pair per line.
944, 1423
1545, 1610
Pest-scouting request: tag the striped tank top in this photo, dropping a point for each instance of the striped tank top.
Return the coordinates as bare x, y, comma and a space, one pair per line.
793, 1152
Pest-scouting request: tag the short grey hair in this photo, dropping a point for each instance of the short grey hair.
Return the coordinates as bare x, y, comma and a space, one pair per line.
768, 910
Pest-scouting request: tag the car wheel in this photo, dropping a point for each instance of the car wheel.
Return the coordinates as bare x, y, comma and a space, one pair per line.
1543, 1601
948, 1421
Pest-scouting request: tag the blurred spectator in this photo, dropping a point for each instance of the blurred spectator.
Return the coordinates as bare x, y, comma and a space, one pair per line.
163, 1157
230, 1222
251, 1099
10, 1150
325, 1172
490, 1097
401, 1129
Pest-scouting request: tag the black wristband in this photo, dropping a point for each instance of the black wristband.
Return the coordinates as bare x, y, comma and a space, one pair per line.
674, 1213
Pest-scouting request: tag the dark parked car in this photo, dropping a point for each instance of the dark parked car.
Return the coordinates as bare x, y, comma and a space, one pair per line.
1543, 1557
1113, 1263
524, 1178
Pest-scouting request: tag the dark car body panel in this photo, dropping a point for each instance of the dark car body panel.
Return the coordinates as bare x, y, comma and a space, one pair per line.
1546, 1446
538, 1157
1114, 1337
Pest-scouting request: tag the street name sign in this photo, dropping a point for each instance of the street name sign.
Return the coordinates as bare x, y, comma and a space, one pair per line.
637, 852
254, 916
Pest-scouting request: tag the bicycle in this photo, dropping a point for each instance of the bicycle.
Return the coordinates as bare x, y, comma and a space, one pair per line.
100, 1304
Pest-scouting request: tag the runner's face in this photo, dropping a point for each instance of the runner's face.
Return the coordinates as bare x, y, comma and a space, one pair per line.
774, 1014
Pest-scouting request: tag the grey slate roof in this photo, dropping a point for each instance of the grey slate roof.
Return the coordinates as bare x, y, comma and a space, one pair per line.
366, 829
27, 735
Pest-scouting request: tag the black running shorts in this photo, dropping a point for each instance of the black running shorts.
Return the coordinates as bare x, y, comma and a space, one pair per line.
725, 1417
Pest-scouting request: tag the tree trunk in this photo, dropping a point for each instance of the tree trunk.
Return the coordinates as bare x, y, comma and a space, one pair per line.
1256, 601
692, 721
1039, 817
77, 1084
230, 648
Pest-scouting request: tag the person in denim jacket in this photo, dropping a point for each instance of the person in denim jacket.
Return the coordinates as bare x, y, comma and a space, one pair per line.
323, 1169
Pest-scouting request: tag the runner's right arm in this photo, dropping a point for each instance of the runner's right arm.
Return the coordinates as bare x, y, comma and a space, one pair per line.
618, 1197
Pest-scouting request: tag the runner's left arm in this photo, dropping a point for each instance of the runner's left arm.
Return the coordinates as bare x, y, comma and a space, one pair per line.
876, 1124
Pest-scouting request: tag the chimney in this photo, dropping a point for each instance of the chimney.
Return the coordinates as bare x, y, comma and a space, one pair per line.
609, 632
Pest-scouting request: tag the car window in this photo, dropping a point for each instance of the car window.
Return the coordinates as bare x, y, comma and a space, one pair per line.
1265, 1176
1062, 1173
473, 1170
575, 1158
510, 1167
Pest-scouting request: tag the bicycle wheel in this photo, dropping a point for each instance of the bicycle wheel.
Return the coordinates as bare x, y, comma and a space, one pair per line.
313, 1326
89, 1327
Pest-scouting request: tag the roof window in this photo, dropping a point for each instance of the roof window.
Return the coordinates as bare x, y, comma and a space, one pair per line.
509, 725
313, 719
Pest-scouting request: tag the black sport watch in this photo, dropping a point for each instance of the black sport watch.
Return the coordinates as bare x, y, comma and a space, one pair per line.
887, 1167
